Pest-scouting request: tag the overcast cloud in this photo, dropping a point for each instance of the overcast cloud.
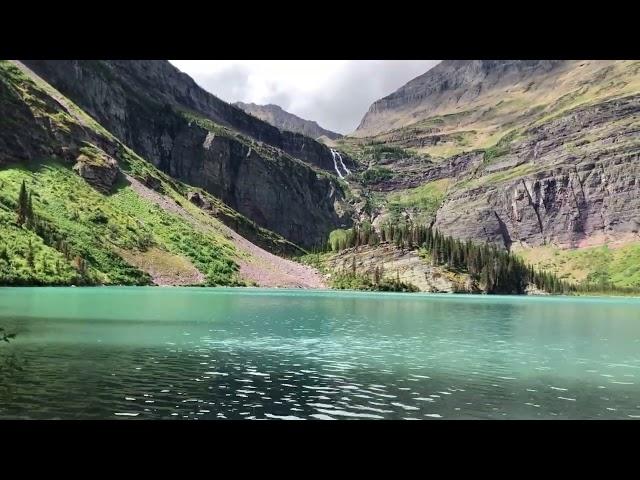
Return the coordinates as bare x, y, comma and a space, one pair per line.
334, 93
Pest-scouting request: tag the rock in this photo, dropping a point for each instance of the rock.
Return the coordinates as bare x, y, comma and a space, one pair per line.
152, 182
531, 289
407, 264
100, 173
199, 201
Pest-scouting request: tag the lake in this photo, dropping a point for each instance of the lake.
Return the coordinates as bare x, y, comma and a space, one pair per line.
233, 353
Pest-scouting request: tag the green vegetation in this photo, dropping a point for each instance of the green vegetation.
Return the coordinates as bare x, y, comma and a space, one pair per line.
501, 148
380, 152
362, 234
61, 231
425, 198
77, 231
497, 271
351, 279
375, 175
617, 267
355, 281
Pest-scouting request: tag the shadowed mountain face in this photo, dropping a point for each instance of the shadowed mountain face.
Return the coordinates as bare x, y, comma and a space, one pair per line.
284, 120
277, 178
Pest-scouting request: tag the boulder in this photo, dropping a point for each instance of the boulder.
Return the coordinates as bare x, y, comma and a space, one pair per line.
99, 172
198, 200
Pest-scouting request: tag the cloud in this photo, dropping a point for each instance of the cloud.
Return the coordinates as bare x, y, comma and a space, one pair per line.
334, 93
231, 82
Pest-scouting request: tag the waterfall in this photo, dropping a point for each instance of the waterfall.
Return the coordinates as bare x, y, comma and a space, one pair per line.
342, 163
334, 154
335, 164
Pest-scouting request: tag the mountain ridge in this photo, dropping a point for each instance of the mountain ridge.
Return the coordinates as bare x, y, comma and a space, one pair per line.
283, 120
449, 82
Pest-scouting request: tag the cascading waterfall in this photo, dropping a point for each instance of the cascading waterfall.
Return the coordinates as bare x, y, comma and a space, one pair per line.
342, 163
335, 164
335, 154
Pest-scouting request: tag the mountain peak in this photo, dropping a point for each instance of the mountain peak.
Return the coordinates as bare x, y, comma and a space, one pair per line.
280, 118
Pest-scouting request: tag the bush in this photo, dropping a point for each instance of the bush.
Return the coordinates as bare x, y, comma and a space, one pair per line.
375, 175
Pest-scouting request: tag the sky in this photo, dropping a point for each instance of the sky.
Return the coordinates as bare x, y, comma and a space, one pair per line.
334, 93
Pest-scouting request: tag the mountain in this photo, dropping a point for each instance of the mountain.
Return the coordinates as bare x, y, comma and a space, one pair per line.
450, 85
281, 180
537, 157
94, 211
276, 116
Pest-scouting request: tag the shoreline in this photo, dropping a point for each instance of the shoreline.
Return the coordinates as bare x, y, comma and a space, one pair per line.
324, 290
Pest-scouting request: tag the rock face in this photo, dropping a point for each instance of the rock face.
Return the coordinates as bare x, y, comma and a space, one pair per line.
268, 175
25, 135
554, 186
406, 264
449, 83
284, 120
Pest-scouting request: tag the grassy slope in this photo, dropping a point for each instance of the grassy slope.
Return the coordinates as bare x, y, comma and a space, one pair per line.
619, 265
423, 201
95, 226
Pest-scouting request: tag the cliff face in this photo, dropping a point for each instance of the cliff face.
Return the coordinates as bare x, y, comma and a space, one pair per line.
273, 177
283, 120
571, 182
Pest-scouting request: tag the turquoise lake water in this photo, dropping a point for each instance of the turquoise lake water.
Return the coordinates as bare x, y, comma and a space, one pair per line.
199, 353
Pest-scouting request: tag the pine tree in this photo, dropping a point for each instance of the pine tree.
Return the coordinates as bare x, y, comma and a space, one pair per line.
23, 204
29, 213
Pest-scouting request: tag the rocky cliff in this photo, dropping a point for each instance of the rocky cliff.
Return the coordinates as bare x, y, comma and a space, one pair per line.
275, 178
276, 116
570, 182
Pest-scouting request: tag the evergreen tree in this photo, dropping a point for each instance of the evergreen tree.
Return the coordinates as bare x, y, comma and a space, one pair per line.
29, 212
23, 204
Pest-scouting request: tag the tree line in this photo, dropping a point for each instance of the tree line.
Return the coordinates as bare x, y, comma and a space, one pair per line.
498, 271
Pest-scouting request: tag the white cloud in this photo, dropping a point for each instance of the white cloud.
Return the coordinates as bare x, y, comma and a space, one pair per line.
335, 93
